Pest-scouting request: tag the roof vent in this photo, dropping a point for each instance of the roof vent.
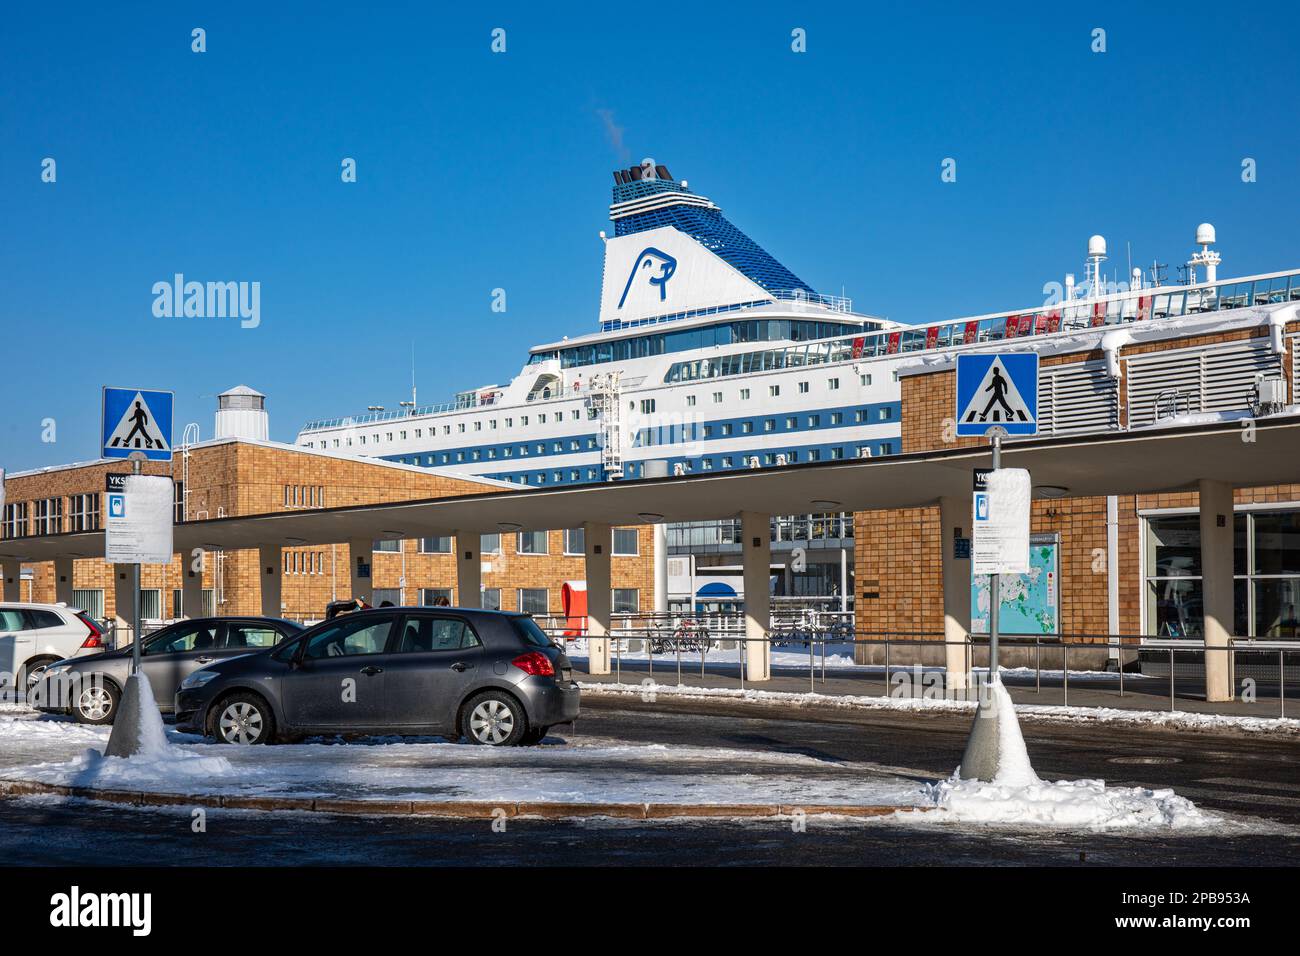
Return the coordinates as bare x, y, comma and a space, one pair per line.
241, 414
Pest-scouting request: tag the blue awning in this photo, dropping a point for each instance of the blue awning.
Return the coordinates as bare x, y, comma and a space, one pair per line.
716, 589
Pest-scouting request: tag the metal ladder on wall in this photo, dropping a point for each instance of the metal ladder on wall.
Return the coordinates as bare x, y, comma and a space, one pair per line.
605, 398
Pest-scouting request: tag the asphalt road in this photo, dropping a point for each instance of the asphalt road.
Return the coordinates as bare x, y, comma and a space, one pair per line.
1245, 776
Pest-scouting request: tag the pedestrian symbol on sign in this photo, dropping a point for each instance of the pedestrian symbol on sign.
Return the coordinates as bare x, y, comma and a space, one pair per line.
139, 419
998, 386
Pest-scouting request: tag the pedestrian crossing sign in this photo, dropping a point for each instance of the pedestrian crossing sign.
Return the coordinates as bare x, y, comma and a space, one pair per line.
137, 421
997, 389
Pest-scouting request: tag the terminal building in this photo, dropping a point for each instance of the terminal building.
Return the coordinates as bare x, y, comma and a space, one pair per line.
238, 472
1117, 565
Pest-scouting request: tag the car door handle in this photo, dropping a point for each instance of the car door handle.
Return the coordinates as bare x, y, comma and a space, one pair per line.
372, 670
204, 660
460, 667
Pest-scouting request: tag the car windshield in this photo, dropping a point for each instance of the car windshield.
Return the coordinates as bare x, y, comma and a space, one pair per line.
286, 650
531, 633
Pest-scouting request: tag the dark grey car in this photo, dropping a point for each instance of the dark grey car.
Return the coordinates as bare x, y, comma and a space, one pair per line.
490, 676
90, 687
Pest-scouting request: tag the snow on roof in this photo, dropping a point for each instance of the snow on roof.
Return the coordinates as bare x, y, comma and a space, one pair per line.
282, 446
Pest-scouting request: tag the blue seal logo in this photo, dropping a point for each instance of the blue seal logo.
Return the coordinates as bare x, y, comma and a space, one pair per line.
649, 258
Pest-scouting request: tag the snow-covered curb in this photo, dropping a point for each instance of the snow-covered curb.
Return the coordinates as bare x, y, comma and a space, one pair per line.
1178, 720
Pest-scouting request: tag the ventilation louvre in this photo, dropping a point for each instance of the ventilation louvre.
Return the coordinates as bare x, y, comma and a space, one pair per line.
1188, 381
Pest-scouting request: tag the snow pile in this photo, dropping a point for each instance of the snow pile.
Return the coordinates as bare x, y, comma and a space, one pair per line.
1087, 804
1016, 795
153, 762
148, 770
152, 735
1014, 768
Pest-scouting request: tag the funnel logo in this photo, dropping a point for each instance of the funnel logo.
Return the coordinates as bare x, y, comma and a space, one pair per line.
651, 259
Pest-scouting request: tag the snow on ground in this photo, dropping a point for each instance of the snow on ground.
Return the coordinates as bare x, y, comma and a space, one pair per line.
1181, 720
584, 770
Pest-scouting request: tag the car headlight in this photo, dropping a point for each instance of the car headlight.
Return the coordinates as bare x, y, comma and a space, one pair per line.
197, 679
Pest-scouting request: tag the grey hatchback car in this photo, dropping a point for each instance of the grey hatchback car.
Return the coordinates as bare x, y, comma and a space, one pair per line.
89, 688
492, 677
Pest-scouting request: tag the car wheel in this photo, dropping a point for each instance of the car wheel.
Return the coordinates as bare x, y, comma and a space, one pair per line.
97, 704
494, 719
243, 719
33, 671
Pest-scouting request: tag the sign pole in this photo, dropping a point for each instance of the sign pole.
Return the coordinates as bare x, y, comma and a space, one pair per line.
136, 468
995, 582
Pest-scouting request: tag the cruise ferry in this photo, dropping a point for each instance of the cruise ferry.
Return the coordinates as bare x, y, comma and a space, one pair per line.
711, 355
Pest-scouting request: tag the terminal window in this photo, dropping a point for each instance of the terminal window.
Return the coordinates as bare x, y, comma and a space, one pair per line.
625, 542
1266, 571
532, 600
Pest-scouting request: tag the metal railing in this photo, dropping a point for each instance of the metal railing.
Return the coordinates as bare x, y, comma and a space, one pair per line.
1174, 672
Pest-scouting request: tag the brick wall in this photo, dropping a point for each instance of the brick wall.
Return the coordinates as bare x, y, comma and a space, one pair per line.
897, 554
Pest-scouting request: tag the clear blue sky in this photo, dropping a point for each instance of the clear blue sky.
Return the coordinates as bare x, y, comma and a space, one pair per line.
479, 171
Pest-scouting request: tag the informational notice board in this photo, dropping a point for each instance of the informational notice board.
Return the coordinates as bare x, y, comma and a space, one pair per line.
1000, 522
138, 523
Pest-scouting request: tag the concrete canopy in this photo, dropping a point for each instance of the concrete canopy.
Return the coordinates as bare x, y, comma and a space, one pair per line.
1136, 462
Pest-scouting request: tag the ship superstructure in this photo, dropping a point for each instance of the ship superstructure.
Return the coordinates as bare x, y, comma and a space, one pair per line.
712, 355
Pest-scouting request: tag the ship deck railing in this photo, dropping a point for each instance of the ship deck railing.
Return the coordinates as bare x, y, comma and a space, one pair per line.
1078, 315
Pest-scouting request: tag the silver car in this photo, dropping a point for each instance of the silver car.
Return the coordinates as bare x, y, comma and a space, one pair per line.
90, 688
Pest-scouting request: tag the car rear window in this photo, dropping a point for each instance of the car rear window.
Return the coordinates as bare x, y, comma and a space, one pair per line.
529, 631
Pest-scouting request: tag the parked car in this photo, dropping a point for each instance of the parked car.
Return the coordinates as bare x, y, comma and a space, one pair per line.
90, 688
33, 636
490, 676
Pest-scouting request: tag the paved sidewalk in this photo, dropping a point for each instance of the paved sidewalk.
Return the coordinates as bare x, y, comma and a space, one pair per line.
1084, 690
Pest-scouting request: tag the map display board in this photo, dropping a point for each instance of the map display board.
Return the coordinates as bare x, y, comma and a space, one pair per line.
1031, 602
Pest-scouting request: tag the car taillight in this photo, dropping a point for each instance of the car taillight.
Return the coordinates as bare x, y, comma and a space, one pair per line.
535, 663
96, 637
